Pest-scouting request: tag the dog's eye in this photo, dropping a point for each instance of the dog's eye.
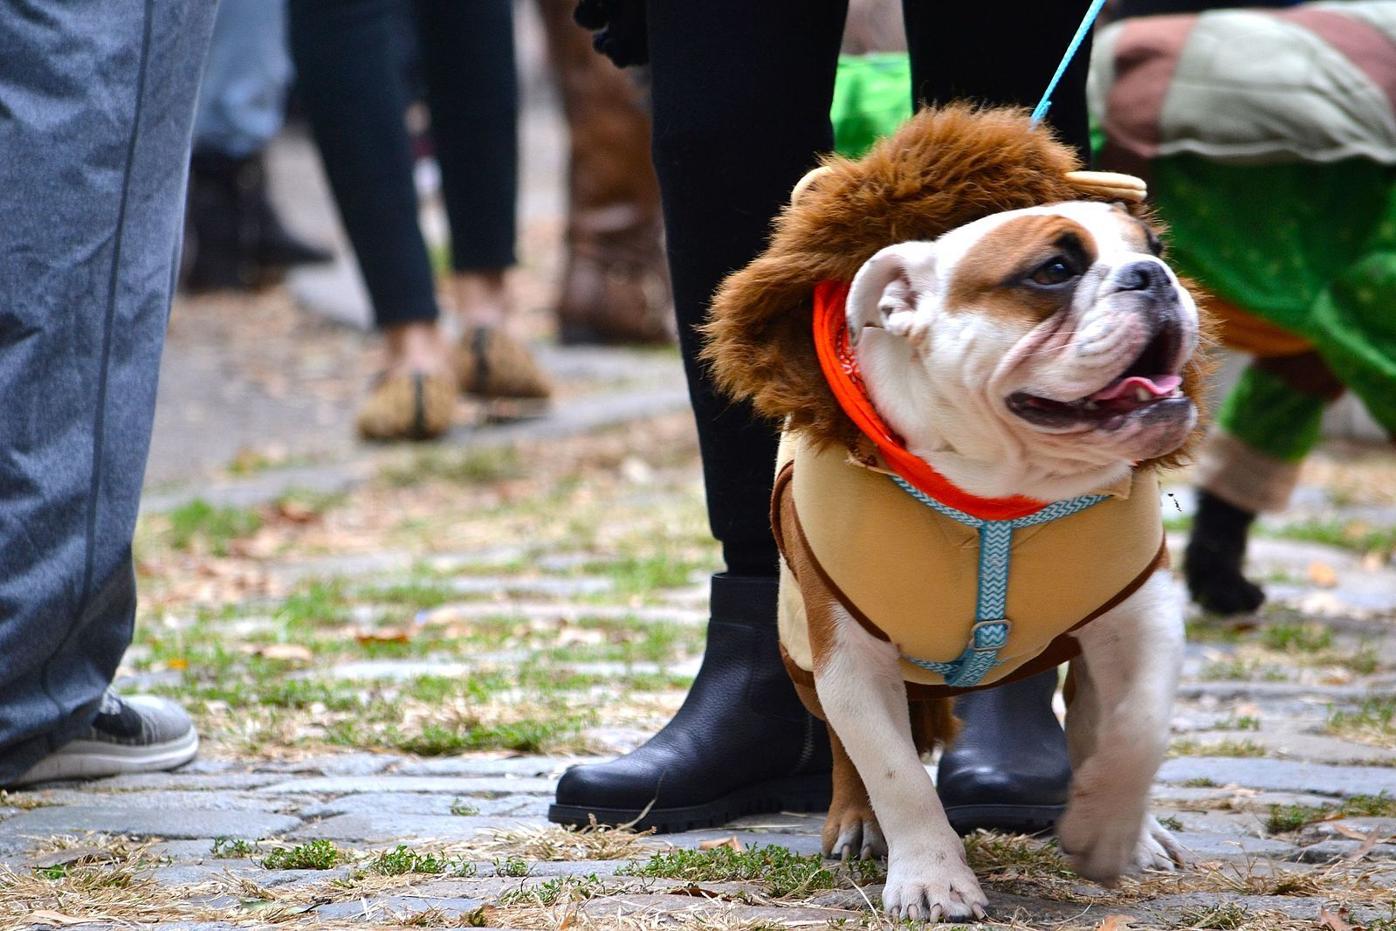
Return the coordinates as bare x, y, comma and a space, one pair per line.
1054, 271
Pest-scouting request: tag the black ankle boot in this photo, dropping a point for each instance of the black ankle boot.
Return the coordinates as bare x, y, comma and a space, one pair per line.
1216, 551
1008, 769
238, 241
741, 744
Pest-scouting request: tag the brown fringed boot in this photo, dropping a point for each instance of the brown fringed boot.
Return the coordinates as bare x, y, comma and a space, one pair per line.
615, 288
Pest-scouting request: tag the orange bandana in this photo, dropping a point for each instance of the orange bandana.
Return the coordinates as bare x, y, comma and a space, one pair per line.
840, 368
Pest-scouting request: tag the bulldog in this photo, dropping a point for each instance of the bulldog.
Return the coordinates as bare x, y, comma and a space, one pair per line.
965, 491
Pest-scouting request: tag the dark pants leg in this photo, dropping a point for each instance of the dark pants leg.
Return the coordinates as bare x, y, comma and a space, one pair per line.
1000, 53
96, 106
352, 84
351, 79
741, 97
472, 88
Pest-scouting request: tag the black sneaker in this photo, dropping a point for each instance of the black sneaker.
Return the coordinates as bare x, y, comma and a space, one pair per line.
140, 734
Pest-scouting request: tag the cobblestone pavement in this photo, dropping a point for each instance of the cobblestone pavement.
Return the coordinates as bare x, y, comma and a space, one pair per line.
389, 680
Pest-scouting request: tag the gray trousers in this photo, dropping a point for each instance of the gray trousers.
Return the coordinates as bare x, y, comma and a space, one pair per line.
96, 104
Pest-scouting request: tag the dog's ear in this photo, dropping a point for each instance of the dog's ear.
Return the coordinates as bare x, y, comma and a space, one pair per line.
888, 287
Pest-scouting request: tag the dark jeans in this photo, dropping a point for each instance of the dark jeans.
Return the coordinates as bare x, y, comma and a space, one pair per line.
353, 85
96, 105
741, 110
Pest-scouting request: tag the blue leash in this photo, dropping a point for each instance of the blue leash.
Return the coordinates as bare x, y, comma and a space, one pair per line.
990, 631
1045, 104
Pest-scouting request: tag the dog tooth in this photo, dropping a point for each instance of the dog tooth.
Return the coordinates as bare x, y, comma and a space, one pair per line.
1141, 394
1091, 405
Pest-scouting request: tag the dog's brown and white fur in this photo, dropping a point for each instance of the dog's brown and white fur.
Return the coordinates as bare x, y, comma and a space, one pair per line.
981, 346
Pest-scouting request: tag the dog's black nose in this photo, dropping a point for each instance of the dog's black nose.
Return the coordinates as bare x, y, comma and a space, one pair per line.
1144, 276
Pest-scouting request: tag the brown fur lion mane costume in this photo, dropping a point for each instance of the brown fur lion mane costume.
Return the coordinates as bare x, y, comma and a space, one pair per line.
943, 168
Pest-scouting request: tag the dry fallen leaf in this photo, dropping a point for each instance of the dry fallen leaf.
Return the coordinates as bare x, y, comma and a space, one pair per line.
44, 916
1322, 574
1369, 840
1114, 923
716, 843
1373, 562
383, 635
290, 652
1334, 921
71, 855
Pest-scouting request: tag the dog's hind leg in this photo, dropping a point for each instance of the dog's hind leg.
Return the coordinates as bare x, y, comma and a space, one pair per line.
850, 829
1117, 733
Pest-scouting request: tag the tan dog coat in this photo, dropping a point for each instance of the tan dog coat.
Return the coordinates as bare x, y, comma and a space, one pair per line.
909, 574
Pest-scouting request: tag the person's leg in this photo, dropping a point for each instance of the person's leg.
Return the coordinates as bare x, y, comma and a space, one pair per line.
467, 55
1009, 768
741, 107
614, 288
1250, 463
352, 87
238, 240
98, 100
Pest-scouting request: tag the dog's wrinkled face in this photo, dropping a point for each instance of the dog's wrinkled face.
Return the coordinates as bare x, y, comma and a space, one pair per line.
1034, 352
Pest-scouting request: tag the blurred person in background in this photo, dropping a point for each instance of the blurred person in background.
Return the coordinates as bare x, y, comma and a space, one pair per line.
96, 109
352, 82
614, 288
1283, 205
234, 237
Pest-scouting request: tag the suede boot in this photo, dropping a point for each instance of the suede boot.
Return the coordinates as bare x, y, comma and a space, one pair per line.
1215, 554
741, 744
615, 284
1008, 769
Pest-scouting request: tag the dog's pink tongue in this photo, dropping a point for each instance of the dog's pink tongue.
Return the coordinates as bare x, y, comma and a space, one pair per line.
1158, 387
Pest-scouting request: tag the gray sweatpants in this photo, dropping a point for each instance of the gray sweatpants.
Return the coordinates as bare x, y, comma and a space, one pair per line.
96, 103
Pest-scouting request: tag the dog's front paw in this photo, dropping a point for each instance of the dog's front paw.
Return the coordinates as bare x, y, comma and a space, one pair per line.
1100, 846
1157, 850
852, 832
934, 885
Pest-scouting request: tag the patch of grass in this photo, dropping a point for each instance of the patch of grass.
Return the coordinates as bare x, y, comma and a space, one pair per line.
1210, 629
1245, 722
1297, 638
643, 574
1227, 916
229, 848
56, 872
413, 594
511, 866
1199, 782
1374, 719
204, 526
997, 853
403, 859
783, 872
463, 808
1285, 818
563, 890
1236, 748
1171, 822
463, 467
314, 855
1354, 535
1229, 670
528, 735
